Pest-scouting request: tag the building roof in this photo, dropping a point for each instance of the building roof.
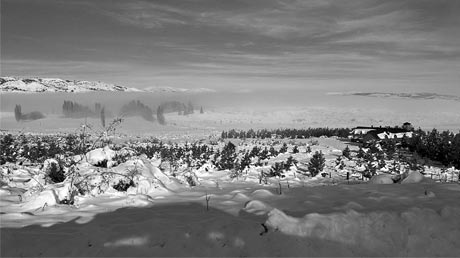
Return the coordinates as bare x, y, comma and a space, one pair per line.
382, 129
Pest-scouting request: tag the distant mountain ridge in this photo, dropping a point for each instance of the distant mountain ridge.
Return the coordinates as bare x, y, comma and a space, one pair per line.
12, 84
36, 85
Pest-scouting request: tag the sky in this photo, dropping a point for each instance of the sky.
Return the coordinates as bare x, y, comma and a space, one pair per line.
238, 45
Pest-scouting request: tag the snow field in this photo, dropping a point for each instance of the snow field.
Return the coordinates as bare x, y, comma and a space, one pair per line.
180, 225
162, 215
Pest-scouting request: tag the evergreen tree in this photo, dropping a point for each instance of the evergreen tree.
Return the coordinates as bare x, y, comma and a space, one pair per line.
277, 170
228, 157
339, 162
17, 113
189, 109
361, 153
273, 152
295, 149
346, 153
290, 162
103, 117
284, 148
201, 110
263, 154
254, 152
160, 116
316, 164
245, 161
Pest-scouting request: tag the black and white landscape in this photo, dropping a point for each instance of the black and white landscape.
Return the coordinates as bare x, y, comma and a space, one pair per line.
229, 128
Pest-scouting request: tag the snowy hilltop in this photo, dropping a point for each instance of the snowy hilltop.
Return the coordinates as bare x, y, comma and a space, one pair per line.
32, 85
12, 84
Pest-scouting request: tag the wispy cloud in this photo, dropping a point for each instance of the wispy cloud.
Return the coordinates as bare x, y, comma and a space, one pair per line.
146, 14
259, 41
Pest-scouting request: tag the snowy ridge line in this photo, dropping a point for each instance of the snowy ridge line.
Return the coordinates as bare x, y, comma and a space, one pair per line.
34, 85
30, 85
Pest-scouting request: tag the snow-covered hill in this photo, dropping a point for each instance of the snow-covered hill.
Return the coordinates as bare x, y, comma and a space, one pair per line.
11, 84
25, 85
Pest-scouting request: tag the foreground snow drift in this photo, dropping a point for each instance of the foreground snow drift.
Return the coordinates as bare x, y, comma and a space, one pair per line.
343, 220
415, 232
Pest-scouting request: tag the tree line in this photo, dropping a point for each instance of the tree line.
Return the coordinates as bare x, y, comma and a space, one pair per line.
19, 116
443, 147
72, 109
137, 108
286, 133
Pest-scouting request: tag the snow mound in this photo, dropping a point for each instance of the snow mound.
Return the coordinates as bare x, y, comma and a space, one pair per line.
240, 197
262, 193
428, 194
139, 200
257, 207
381, 179
145, 186
155, 162
415, 232
45, 198
63, 191
413, 177
99, 156
154, 172
4, 191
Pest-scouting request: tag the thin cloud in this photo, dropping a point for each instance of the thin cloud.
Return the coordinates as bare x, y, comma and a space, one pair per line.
146, 14
217, 42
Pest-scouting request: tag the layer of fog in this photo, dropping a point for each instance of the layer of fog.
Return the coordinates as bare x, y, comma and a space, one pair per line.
317, 108
52, 102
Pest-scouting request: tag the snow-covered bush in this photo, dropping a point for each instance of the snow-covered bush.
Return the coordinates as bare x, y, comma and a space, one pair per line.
8, 150
277, 170
295, 149
56, 173
284, 148
123, 185
101, 157
190, 179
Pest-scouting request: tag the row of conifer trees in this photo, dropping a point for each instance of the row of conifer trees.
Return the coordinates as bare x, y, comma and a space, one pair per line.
286, 133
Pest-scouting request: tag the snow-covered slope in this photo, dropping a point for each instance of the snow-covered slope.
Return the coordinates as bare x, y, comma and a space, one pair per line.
143, 207
11, 84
